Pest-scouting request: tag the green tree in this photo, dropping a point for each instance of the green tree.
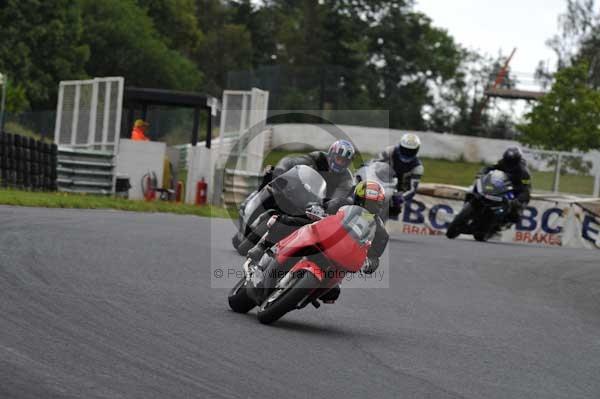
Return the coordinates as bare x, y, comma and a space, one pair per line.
124, 42
176, 22
407, 55
568, 117
351, 54
41, 45
16, 99
578, 40
227, 46
458, 101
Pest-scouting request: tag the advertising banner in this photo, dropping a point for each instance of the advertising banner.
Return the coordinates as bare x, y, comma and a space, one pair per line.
544, 222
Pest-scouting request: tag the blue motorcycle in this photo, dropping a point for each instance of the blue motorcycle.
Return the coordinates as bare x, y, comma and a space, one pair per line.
486, 207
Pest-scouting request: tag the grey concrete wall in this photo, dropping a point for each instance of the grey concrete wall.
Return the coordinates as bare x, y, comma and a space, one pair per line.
373, 140
136, 158
296, 136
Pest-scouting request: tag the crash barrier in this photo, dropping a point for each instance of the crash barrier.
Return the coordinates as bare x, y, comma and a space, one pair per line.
548, 220
237, 185
85, 171
27, 163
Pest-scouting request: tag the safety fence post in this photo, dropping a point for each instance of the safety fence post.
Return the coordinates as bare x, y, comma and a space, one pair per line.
557, 173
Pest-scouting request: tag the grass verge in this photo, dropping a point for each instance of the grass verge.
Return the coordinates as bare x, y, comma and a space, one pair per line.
80, 201
463, 174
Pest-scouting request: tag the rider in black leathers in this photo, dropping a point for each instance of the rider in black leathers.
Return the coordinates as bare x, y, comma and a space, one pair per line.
333, 167
513, 164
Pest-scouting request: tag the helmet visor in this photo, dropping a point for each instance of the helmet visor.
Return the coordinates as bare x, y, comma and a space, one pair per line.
408, 154
372, 206
339, 163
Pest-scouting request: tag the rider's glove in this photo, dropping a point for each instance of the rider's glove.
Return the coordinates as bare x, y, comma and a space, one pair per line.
333, 205
370, 265
272, 221
315, 212
397, 200
267, 177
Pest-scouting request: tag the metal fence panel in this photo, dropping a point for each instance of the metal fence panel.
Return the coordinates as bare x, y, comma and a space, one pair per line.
89, 113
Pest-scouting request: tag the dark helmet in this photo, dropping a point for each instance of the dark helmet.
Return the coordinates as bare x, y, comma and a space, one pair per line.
407, 149
370, 195
512, 158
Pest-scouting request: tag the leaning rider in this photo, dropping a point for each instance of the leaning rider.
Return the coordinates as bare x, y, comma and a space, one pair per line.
513, 164
407, 167
332, 165
368, 194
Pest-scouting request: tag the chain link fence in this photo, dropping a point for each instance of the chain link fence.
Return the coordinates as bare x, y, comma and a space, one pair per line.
565, 172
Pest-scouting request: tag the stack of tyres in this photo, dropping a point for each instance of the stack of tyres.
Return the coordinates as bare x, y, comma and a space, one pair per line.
27, 163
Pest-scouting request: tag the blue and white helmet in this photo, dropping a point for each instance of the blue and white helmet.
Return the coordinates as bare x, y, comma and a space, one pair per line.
340, 155
408, 147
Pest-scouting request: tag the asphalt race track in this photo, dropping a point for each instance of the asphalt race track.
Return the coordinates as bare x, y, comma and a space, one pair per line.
103, 304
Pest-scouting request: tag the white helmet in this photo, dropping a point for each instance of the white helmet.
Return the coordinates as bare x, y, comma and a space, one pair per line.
408, 147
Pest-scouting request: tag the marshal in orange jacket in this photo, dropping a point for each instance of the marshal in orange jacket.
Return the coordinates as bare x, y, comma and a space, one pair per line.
139, 131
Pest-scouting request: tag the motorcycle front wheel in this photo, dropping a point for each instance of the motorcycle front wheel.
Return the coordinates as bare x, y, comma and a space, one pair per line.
457, 225
238, 298
481, 237
285, 299
245, 246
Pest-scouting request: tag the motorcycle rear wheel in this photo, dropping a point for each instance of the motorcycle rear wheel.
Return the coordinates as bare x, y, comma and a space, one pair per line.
238, 298
301, 285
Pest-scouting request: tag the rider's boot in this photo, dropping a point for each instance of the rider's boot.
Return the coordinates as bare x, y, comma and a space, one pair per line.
256, 253
331, 296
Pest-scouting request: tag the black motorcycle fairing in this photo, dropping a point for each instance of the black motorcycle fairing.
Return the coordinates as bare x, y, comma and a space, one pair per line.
261, 204
486, 206
296, 188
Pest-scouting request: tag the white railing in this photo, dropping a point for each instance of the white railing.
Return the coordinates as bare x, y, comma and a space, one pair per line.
89, 112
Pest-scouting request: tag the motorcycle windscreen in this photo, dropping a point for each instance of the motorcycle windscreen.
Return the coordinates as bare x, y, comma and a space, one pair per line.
296, 188
359, 223
495, 185
381, 172
253, 203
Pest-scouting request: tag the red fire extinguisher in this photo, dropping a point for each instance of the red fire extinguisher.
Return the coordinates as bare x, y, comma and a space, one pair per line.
201, 188
148, 186
179, 191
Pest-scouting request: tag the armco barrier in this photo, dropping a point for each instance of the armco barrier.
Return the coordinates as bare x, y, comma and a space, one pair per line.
237, 185
84, 171
27, 163
547, 220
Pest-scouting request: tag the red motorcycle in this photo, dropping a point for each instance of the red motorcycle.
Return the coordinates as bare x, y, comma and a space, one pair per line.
305, 265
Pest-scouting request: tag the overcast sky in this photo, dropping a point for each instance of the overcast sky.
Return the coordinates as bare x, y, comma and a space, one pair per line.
490, 25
